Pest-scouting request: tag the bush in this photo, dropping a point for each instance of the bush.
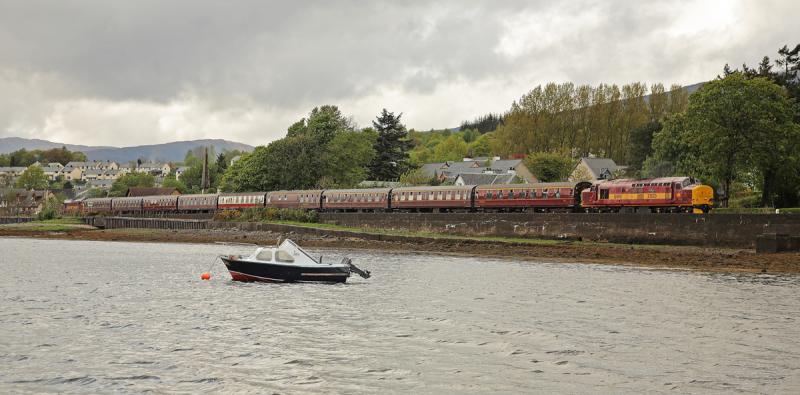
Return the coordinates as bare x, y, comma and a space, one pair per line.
50, 210
744, 210
751, 200
267, 214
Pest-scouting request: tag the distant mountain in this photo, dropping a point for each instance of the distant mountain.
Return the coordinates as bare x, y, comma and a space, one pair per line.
11, 144
169, 152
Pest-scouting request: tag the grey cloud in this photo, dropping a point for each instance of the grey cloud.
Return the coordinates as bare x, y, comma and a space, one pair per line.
280, 58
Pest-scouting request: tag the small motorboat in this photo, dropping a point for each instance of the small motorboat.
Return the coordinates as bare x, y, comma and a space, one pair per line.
288, 263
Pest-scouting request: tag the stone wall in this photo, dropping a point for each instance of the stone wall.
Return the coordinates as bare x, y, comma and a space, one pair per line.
14, 220
723, 230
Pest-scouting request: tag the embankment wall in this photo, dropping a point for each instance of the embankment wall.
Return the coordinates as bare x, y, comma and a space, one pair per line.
15, 220
729, 230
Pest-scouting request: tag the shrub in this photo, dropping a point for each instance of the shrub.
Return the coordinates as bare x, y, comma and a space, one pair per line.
266, 215
744, 210
50, 210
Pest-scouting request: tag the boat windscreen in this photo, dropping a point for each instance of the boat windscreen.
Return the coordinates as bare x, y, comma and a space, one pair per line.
264, 255
283, 256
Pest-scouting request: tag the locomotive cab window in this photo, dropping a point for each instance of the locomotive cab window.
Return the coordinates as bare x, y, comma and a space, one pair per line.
604, 193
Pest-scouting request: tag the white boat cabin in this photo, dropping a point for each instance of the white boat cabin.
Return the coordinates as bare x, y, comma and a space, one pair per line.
287, 253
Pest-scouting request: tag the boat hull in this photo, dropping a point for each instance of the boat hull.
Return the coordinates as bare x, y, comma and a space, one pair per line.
242, 270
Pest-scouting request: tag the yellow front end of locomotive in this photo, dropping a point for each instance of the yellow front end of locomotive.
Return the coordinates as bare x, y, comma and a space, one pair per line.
702, 198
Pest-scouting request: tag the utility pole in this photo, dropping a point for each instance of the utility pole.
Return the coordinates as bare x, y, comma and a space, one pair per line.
204, 181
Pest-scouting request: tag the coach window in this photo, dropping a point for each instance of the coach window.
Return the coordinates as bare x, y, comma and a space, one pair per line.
558, 193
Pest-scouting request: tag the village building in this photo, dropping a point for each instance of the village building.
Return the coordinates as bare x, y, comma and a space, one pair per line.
72, 173
179, 171
102, 184
94, 165
154, 168
14, 201
483, 179
594, 169
12, 171
449, 171
53, 172
92, 175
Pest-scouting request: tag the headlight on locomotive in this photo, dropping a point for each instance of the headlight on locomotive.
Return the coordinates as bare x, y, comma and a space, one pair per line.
702, 197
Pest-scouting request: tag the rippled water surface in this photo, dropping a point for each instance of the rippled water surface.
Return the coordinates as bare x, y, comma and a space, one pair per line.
82, 316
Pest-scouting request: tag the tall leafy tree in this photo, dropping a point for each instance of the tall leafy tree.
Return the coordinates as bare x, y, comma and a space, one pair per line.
734, 129
346, 157
391, 148
312, 155
641, 143
32, 178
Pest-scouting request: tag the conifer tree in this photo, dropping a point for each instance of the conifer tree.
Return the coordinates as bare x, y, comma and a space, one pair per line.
391, 148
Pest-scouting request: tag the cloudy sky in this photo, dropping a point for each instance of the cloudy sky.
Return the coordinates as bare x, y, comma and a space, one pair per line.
142, 72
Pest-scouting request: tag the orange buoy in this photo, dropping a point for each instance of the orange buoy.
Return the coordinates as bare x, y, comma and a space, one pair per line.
205, 276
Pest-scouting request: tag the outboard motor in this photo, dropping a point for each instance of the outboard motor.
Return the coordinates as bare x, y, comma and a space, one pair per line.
355, 269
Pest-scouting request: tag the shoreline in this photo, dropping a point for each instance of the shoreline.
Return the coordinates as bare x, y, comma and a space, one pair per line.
728, 260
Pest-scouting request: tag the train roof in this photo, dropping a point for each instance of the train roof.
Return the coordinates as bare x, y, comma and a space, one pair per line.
359, 190
532, 185
434, 188
643, 181
242, 194
199, 195
296, 191
135, 197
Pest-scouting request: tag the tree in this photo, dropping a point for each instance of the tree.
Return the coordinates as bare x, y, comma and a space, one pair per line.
222, 162
417, 177
347, 156
32, 178
170, 181
734, 129
482, 146
391, 148
641, 144
289, 163
131, 180
483, 124
193, 177
452, 148
97, 193
22, 157
549, 167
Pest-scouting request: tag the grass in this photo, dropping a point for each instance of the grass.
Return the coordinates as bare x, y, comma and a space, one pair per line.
444, 236
60, 221
754, 210
50, 225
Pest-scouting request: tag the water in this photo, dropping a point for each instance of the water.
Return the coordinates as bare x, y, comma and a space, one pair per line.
82, 316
